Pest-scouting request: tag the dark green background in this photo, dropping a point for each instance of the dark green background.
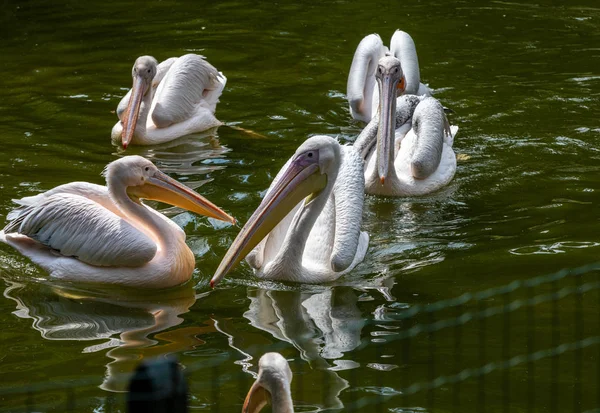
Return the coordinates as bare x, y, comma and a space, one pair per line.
524, 83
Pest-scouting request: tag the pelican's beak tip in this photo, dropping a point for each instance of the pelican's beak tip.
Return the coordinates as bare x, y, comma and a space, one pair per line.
124, 146
382, 179
212, 284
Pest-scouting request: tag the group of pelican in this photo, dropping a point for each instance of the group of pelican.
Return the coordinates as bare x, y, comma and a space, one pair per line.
307, 227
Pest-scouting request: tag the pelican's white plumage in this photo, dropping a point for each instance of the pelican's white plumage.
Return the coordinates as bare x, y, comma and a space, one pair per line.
307, 228
172, 99
104, 234
275, 379
362, 92
407, 146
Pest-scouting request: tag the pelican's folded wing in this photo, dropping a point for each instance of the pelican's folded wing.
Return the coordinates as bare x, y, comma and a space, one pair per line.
349, 194
76, 226
187, 82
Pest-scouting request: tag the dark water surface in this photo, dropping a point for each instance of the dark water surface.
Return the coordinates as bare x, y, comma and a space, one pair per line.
524, 82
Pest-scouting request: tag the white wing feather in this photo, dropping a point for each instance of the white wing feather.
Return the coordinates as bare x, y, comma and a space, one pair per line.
185, 86
348, 193
76, 226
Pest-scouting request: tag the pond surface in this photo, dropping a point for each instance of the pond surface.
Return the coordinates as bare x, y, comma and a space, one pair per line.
524, 84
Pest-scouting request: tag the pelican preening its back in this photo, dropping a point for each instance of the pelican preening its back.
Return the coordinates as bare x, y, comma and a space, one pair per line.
307, 228
104, 234
362, 92
272, 384
407, 146
168, 100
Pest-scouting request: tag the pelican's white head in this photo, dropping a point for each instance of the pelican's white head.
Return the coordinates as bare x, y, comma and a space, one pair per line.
141, 179
273, 383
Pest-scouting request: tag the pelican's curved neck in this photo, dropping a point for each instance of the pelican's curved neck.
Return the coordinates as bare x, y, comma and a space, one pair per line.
281, 399
150, 223
293, 246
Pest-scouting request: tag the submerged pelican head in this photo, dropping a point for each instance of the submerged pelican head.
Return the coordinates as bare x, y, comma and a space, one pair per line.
310, 169
143, 71
143, 180
272, 384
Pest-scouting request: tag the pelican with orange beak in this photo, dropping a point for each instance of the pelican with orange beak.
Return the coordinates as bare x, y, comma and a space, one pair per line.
104, 234
307, 228
272, 385
168, 100
407, 146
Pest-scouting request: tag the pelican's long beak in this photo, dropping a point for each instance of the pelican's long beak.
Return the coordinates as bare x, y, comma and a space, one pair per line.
133, 110
301, 179
161, 187
256, 399
388, 90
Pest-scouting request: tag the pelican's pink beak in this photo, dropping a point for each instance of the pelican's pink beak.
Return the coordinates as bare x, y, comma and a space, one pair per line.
132, 112
163, 188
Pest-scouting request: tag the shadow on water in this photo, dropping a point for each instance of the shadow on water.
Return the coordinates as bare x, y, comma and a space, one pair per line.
130, 325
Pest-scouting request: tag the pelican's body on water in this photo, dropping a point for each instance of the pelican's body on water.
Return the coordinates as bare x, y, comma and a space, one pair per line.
307, 228
407, 146
104, 234
362, 92
168, 100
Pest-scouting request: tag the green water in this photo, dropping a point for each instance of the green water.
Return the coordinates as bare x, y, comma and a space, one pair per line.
524, 83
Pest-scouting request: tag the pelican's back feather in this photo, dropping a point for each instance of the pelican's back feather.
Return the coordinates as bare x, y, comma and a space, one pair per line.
76, 226
361, 79
185, 86
430, 126
348, 194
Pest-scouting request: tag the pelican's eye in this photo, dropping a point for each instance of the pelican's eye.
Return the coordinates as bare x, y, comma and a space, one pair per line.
147, 168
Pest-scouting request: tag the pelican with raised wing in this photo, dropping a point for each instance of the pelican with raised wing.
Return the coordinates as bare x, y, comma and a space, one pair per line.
104, 234
307, 228
168, 100
362, 92
273, 384
407, 146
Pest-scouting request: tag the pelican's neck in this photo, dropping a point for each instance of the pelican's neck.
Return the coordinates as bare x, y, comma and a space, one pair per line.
150, 223
281, 398
292, 250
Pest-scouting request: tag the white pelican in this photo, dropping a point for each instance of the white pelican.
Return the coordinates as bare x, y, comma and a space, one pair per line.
362, 93
272, 384
104, 234
307, 228
417, 157
171, 99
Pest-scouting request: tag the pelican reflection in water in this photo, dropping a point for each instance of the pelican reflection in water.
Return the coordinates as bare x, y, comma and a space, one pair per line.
128, 325
168, 100
104, 234
321, 326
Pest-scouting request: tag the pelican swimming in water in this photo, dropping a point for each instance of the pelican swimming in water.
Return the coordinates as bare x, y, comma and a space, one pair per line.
272, 384
362, 92
307, 228
168, 100
104, 234
407, 146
